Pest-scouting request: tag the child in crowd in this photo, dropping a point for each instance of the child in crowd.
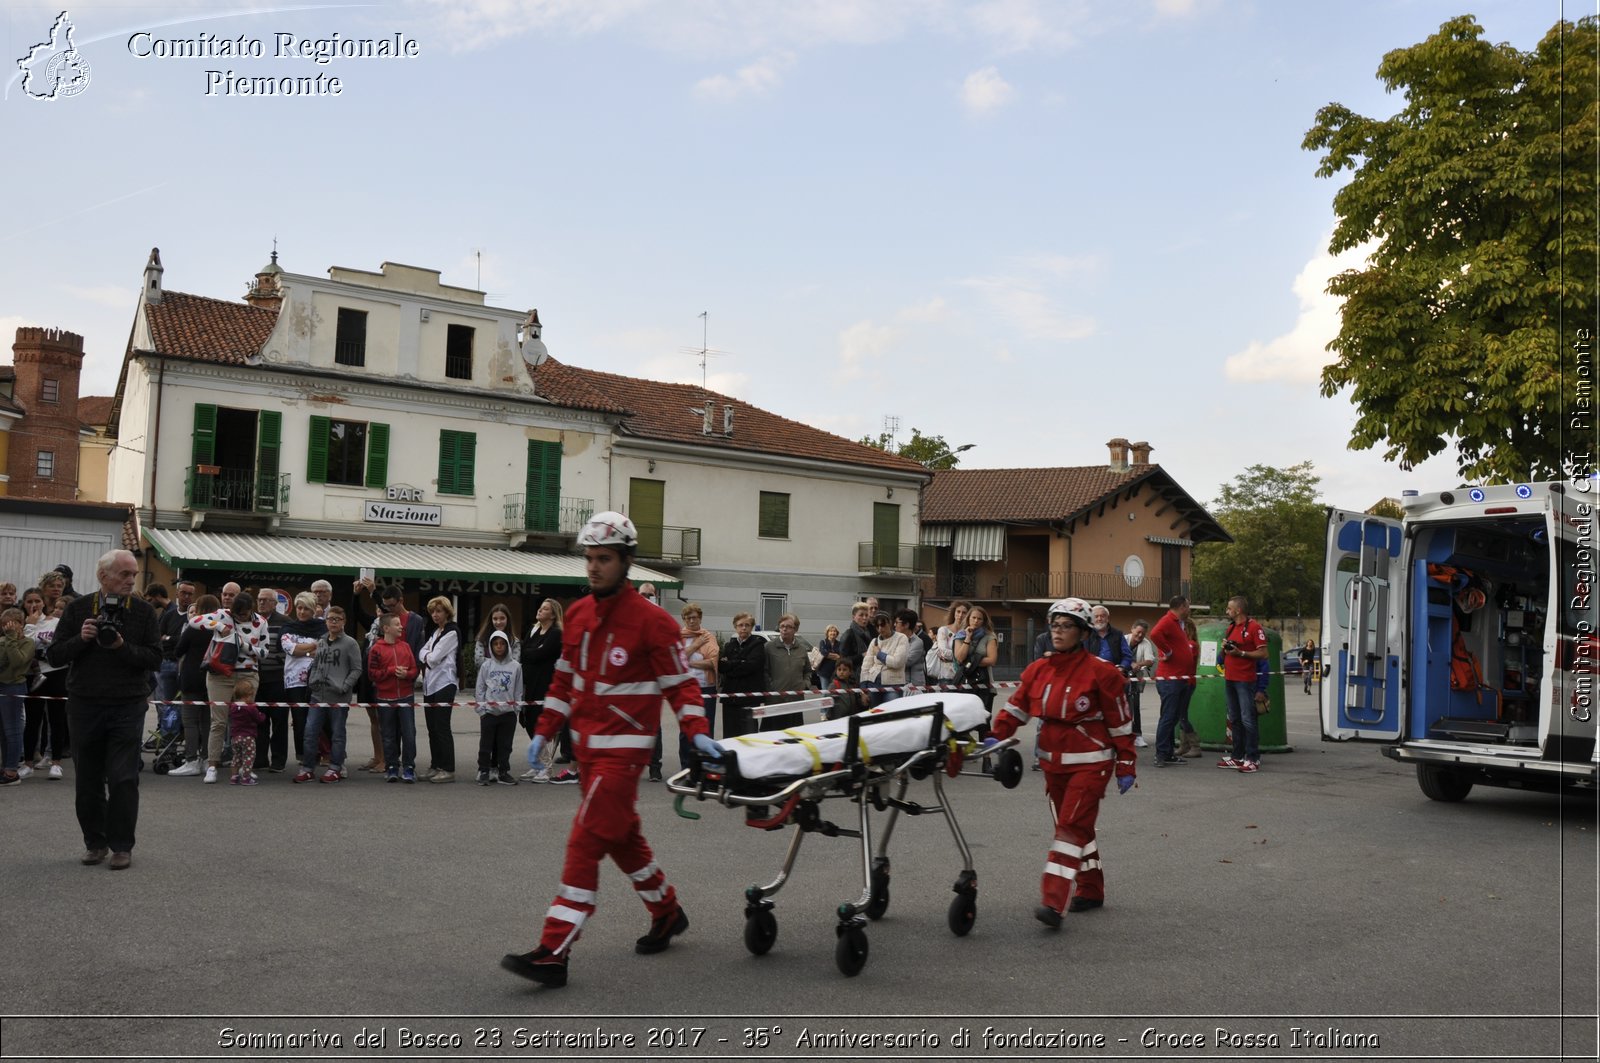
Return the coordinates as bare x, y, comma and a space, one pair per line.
845, 701
393, 670
243, 720
498, 694
16, 655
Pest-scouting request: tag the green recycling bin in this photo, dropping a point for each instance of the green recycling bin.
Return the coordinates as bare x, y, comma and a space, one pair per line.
1208, 709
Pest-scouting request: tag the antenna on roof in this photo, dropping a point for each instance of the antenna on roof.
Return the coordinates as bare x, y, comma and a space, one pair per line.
703, 352
479, 285
891, 428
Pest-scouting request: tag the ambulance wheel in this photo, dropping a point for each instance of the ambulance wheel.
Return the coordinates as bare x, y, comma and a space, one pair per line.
851, 951
963, 913
760, 931
1443, 784
880, 894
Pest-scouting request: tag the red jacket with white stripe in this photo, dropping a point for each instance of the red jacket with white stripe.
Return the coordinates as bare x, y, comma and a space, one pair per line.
620, 657
1083, 704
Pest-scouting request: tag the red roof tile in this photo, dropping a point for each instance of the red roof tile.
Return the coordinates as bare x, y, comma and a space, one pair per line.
208, 330
986, 496
95, 410
662, 411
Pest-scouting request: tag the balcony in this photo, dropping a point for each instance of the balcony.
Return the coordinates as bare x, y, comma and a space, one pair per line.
562, 516
213, 489
667, 545
1090, 586
894, 559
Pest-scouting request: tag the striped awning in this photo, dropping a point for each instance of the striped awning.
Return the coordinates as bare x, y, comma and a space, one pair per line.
347, 557
935, 535
979, 542
1167, 540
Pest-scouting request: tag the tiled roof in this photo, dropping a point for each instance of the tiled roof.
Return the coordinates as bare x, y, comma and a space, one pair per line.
984, 496
94, 410
662, 411
208, 330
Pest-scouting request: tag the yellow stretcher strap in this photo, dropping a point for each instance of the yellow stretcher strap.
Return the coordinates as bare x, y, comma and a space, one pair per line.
768, 738
810, 746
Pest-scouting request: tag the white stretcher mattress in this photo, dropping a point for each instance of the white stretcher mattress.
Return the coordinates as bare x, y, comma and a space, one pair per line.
816, 747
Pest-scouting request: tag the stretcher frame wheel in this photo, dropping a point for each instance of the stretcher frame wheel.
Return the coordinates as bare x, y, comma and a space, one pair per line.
964, 907
850, 953
1008, 768
880, 889
760, 930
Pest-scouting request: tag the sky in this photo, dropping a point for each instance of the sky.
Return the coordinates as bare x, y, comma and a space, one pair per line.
1026, 226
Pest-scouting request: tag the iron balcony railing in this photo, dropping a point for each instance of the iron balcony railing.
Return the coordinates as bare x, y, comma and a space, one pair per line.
1090, 586
558, 516
668, 545
909, 559
213, 488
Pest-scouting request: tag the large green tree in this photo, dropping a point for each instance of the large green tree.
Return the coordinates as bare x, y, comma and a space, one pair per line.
931, 451
1476, 204
1279, 532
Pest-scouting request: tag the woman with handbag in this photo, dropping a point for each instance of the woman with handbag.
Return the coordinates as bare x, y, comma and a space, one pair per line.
976, 652
940, 662
238, 641
540, 652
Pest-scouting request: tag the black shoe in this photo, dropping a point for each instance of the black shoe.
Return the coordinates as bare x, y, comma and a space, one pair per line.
504, 779
1084, 904
1048, 916
541, 965
1169, 762
484, 778
655, 773
662, 931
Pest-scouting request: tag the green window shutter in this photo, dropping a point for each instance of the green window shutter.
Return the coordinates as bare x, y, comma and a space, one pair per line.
447, 462
772, 518
885, 533
269, 437
205, 433
377, 454
466, 452
542, 501
647, 506
317, 450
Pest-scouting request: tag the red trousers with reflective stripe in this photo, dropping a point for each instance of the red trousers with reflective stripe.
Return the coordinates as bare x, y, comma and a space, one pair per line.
606, 824
1073, 865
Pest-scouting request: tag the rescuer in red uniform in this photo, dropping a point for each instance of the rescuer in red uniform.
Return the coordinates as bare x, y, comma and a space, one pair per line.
1085, 737
620, 657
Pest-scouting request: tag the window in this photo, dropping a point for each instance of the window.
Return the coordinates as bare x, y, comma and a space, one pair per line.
50, 390
458, 353
457, 451
772, 522
541, 509
352, 453
350, 342
772, 607
44, 465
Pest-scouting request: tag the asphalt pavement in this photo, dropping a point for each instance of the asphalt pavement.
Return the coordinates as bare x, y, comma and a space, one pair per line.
1323, 908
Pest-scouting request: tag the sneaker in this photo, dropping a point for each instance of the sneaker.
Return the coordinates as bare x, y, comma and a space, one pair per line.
1169, 762
10, 778
55, 772
188, 767
485, 779
531, 775
408, 774
250, 780
1139, 742
276, 769
1250, 767
565, 777
1229, 762
233, 780
1085, 904
541, 774
442, 776
1048, 916
392, 775
149, 745
655, 773
211, 773
343, 774
504, 779
331, 775
541, 965
662, 931
304, 775
24, 771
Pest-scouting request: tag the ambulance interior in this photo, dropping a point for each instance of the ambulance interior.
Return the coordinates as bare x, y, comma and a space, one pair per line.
1481, 594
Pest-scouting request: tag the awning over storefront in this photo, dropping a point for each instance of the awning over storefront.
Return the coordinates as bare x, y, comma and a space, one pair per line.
335, 557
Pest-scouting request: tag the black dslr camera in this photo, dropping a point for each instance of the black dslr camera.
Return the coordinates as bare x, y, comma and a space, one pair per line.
1228, 645
108, 620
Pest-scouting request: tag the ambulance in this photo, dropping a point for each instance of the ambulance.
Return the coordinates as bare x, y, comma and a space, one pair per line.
1464, 636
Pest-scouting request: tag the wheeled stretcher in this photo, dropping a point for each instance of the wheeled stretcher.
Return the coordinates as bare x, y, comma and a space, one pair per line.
781, 778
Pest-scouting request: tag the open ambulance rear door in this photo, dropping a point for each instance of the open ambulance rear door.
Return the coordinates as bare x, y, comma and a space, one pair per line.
1363, 600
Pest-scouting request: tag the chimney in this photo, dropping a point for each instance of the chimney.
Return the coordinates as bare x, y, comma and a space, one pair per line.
267, 291
727, 419
1119, 454
152, 277
1141, 453
43, 458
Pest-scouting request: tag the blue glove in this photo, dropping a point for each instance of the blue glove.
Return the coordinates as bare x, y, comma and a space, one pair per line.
534, 749
1124, 783
987, 745
707, 745
883, 658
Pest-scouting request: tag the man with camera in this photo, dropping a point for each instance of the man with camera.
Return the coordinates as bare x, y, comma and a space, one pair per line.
112, 644
1243, 645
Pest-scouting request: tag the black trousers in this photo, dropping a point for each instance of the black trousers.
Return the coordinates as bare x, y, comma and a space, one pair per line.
105, 761
272, 738
441, 743
495, 733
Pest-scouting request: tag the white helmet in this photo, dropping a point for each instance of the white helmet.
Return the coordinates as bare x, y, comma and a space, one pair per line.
1076, 608
609, 529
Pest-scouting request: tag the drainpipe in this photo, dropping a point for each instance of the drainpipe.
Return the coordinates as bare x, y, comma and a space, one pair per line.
155, 444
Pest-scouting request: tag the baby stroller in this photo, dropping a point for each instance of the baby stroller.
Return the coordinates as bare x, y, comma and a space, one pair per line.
165, 740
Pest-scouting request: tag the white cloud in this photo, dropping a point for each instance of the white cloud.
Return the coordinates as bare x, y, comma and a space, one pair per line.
1175, 8
1025, 299
1026, 25
1297, 356
859, 343
757, 78
931, 312
985, 90
112, 295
